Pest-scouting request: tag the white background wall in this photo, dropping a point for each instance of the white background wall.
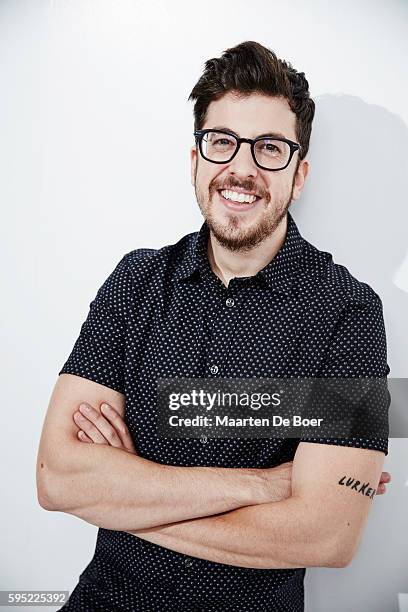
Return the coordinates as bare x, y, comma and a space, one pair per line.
82, 86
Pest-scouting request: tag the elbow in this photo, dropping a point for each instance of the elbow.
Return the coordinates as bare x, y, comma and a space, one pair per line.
46, 488
338, 561
45, 500
338, 553
348, 554
44, 496
55, 473
342, 561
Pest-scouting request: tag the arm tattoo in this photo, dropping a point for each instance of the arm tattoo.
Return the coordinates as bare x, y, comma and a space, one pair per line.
370, 492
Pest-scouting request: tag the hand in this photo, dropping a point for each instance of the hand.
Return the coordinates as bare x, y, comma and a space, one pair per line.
385, 478
103, 426
279, 481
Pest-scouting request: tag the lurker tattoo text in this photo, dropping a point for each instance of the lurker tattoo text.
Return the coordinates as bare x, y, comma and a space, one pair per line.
347, 483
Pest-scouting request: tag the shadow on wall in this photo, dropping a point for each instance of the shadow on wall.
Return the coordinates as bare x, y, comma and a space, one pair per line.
354, 203
354, 206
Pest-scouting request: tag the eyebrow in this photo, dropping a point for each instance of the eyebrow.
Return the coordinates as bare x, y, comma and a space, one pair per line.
226, 129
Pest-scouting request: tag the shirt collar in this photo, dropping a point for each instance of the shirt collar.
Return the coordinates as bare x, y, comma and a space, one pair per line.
279, 274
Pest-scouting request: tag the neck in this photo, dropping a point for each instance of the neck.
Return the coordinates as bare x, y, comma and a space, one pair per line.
227, 264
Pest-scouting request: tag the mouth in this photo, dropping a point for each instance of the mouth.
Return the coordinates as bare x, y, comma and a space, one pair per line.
234, 201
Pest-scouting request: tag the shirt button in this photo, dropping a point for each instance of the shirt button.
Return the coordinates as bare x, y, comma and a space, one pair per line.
188, 562
214, 369
203, 438
230, 302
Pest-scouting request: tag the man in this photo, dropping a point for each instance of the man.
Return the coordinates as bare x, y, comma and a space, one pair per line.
204, 523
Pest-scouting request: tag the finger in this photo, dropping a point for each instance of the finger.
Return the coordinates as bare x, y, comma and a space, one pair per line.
83, 437
105, 431
380, 489
120, 426
89, 428
385, 478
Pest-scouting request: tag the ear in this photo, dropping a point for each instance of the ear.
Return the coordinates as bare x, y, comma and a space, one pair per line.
193, 155
300, 179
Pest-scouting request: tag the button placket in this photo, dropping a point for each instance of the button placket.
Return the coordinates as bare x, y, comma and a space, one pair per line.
224, 304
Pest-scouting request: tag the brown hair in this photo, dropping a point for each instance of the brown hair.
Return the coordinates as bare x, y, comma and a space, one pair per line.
252, 68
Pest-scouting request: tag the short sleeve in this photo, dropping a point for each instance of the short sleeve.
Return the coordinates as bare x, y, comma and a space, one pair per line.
358, 349
98, 353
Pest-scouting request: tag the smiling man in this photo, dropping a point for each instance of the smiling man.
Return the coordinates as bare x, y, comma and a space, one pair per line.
218, 524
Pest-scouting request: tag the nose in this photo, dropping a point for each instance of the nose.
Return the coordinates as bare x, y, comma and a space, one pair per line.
243, 163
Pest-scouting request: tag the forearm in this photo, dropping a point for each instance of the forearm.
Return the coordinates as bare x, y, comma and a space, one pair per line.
117, 490
280, 535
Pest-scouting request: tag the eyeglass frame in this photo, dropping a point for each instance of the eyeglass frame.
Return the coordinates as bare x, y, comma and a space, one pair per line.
294, 146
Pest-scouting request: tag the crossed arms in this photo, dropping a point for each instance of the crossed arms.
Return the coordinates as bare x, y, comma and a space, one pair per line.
241, 517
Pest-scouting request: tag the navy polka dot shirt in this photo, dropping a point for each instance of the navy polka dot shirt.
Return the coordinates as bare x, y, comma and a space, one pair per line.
164, 313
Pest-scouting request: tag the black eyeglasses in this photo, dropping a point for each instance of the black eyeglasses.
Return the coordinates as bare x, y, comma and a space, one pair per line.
269, 153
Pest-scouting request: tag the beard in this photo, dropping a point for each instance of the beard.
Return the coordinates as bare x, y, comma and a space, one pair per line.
229, 234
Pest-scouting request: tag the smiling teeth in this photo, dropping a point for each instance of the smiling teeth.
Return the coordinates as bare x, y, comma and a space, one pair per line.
238, 197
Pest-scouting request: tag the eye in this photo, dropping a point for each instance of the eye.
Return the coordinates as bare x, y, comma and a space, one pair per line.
271, 147
222, 141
